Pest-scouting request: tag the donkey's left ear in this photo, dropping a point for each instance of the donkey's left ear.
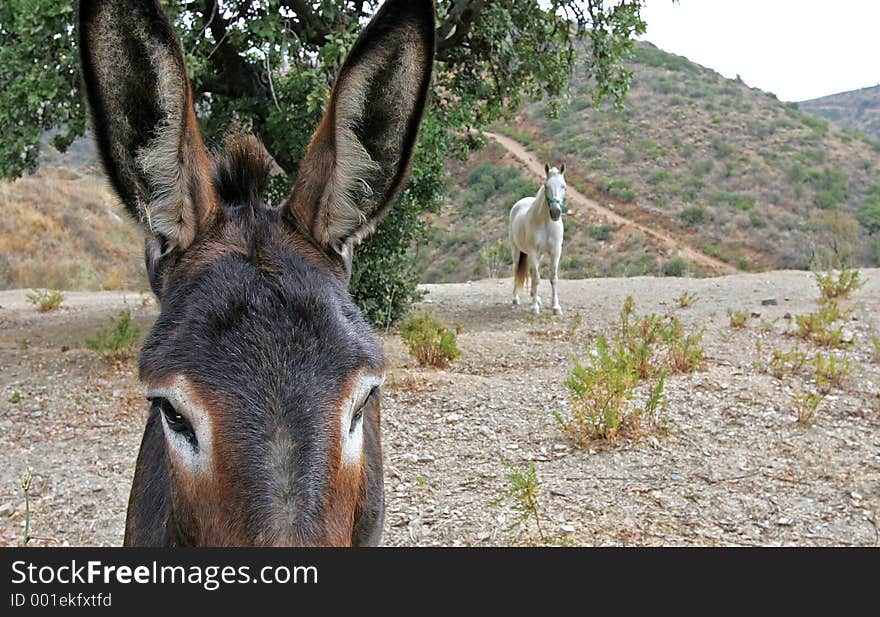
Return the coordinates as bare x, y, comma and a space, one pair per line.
562, 168
359, 156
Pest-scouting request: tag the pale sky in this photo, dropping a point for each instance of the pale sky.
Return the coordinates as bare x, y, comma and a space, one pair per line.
796, 49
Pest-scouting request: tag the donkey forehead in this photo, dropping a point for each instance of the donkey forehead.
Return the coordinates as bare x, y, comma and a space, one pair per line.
255, 331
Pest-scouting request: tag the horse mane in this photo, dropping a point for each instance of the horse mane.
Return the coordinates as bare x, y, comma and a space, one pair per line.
540, 195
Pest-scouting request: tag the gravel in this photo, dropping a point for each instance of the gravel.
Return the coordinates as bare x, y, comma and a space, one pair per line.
733, 466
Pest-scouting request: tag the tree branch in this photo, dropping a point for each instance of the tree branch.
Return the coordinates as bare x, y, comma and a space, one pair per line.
457, 25
229, 66
315, 30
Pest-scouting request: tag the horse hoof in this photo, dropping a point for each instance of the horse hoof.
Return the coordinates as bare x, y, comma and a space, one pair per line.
515, 301
557, 310
536, 310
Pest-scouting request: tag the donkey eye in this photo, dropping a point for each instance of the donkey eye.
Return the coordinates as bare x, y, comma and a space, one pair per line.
359, 414
174, 420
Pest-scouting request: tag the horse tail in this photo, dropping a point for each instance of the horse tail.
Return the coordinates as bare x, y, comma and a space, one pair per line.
522, 270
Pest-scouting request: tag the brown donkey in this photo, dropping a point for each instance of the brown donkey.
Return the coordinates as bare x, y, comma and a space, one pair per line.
262, 375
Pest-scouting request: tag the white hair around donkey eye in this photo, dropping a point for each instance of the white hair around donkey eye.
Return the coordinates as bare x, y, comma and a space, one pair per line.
351, 419
185, 422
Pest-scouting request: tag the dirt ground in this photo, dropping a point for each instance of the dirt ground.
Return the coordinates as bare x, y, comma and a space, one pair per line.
732, 468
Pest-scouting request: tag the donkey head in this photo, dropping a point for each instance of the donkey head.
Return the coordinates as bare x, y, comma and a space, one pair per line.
554, 190
263, 376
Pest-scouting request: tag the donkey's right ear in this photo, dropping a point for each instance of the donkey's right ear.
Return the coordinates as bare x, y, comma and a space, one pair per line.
143, 118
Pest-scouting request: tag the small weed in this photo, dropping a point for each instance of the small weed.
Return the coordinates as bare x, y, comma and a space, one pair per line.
429, 341
573, 326
659, 344
15, 399
738, 319
685, 300
784, 363
44, 299
116, 344
524, 489
831, 372
819, 327
768, 326
684, 352
805, 405
601, 389
26, 482
837, 285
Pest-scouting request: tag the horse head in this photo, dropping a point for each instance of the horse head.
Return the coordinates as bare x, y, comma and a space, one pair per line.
554, 190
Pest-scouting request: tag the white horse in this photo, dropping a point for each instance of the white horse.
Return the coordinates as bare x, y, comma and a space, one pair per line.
536, 231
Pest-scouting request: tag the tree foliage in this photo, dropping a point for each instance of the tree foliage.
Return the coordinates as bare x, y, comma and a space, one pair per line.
268, 65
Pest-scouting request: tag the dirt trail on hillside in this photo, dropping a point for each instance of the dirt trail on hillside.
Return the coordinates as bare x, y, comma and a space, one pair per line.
732, 467
693, 255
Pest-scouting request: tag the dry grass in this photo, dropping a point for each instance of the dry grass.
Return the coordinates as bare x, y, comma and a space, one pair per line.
63, 231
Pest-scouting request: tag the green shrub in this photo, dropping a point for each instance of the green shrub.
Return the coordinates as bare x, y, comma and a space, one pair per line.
756, 220
677, 266
429, 341
831, 186
868, 215
722, 148
837, 285
44, 299
572, 263
600, 392
600, 233
649, 55
619, 188
494, 258
735, 200
645, 349
116, 343
693, 215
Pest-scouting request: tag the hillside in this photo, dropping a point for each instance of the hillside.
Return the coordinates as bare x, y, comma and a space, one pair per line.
857, 109
62, 229
723, 169
726, 168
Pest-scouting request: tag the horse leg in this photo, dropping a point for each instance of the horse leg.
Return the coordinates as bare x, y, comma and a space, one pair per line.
557, 309
515, 254
536, 277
